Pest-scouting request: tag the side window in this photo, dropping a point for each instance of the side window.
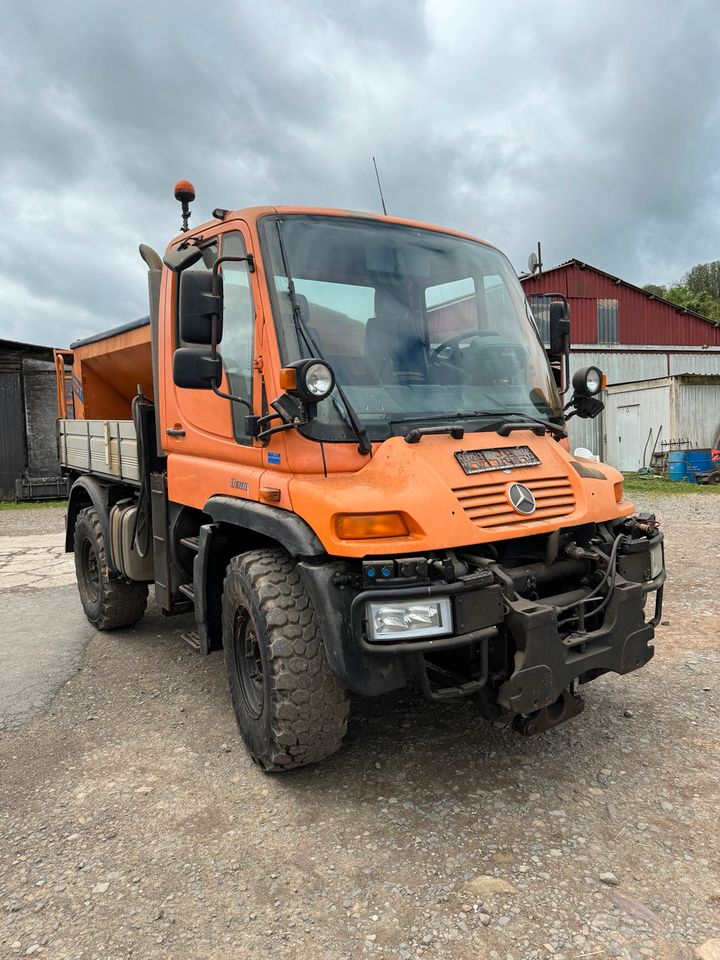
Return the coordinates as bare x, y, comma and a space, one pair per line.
451, 309
209, 256
238, 330
338, 314
498, 304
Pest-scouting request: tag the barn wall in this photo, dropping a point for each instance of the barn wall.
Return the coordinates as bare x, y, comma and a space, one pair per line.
654, 413
694, 363
40, 418
641, 319
674, 407
621, 367
12, 433
696, 409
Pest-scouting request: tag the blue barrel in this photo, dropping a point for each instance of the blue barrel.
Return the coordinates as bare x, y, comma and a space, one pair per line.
698, 461
677, 465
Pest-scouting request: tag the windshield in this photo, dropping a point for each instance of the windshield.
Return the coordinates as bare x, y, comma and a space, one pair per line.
417, 325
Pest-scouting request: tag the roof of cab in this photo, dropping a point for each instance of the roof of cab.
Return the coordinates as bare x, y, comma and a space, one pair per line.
253, 214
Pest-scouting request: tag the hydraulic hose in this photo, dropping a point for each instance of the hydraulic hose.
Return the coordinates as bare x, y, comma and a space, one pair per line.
609, 575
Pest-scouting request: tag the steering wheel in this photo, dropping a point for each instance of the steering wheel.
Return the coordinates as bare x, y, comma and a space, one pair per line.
453, 345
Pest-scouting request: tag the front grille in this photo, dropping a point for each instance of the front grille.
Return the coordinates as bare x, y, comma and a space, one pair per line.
488, 506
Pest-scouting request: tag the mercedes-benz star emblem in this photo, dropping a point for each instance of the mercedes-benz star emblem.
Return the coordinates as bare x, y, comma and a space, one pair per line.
521, 498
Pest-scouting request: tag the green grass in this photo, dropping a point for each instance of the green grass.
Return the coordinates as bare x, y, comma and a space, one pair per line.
11, 505
636, 483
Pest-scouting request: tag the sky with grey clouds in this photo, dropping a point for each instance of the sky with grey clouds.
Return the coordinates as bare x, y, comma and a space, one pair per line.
594, 127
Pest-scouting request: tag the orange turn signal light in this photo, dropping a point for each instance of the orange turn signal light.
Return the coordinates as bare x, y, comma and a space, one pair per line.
619, 491
288, 378
271, 494
370, 526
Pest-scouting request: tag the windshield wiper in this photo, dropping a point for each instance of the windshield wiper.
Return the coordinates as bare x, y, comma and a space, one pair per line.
499, 416
416, 435
364, 446
551, 427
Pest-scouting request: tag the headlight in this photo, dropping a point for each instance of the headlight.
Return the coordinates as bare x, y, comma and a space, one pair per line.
409, 619
588, 381
656, 560
311, 380
318, 380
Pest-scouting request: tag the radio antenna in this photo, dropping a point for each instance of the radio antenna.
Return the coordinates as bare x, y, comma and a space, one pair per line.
377, 176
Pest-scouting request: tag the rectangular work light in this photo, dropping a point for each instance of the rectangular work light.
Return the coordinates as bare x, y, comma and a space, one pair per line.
409, 619
656, 560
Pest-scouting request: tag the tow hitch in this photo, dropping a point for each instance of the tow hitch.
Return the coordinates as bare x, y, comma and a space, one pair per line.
567, 705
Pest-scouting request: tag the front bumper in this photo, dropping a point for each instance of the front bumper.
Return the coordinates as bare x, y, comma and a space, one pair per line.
546, 663
544, 657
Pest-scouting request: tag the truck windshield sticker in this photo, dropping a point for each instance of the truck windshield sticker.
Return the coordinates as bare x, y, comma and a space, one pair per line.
506, 458
273, 458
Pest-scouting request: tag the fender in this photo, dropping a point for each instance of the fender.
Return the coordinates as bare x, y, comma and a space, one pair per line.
286, 528
88, 488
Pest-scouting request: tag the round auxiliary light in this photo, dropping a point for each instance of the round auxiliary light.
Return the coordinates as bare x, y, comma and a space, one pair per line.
588, 381
319, 380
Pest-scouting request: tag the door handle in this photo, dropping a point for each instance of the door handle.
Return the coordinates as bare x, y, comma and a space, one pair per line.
175, 432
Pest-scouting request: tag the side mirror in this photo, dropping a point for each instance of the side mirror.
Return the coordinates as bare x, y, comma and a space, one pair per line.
196, 369
181, 257
559, 329
198, 304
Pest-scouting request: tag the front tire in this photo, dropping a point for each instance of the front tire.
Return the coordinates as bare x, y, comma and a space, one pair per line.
289, 706
108, 604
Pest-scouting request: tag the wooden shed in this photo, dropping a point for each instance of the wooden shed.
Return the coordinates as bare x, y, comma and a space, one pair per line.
29, 465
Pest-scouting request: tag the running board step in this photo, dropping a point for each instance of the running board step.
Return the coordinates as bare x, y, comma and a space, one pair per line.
192, 543
187, 589
192, 640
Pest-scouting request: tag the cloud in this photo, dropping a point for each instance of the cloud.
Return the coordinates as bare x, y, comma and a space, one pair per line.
592, 128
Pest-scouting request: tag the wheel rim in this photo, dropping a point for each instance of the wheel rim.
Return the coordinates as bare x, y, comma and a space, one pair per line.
248, 662
91, 570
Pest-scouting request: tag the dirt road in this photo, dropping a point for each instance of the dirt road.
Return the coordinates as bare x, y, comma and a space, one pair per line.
132, 823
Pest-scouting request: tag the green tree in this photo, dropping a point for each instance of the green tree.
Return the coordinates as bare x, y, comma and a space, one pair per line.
656, 289
704, 278
699, 290
702, 302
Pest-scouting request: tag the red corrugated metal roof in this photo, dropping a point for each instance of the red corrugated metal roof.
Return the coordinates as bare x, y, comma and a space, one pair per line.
642, 317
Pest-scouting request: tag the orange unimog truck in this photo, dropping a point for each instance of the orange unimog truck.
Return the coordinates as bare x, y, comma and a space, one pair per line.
339, 441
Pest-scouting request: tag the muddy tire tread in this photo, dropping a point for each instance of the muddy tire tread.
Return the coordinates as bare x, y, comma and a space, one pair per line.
309, 708
121, 604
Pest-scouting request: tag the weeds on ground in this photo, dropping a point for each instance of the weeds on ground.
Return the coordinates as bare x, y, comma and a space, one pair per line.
31, 505
639, 483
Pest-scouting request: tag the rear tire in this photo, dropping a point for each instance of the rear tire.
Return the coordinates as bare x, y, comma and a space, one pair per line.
289, 706
107, 603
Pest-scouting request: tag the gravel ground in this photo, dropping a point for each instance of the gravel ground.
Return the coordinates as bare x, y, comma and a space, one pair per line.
34, 521
132, 823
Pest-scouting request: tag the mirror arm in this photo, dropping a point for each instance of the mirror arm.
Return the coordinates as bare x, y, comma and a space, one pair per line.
215, 317
566, 375
231, 396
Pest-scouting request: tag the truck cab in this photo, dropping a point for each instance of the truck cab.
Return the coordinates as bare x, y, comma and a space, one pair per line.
351, 462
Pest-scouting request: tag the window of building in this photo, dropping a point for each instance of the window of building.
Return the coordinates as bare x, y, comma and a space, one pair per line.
607, 321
